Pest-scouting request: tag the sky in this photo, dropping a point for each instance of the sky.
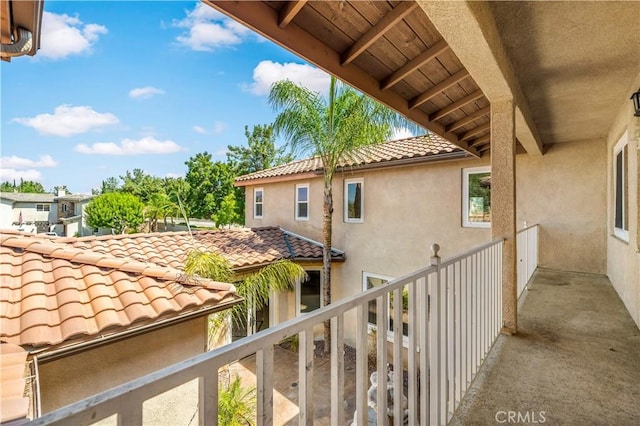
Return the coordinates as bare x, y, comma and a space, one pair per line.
148, 84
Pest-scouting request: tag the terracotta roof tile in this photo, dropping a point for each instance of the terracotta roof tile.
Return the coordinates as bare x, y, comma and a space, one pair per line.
51, 292
425, 146
243, 247
14, 405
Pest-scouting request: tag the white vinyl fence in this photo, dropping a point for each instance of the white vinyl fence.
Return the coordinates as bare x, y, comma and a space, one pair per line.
527, 252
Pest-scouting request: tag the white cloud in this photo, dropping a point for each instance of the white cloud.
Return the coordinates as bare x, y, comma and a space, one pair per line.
208, 29
146, 145
219, 127
267, 72
145, 92
68, 120
401, 133
64, 35
13, 174
14, 162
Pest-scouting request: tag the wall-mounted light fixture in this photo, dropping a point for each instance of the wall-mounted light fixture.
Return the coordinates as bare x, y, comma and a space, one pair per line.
636, 103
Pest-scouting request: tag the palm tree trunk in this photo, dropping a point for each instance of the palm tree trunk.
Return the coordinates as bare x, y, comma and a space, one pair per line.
326, 257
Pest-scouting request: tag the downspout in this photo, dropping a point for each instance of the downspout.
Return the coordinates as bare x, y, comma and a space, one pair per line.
19, 47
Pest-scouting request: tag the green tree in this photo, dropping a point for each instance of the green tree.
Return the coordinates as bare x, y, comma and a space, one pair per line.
119, 211
209, 183
110, 184
159, 207
26, 186
260, 154
227, 214
236, 404
329, 128
141, 184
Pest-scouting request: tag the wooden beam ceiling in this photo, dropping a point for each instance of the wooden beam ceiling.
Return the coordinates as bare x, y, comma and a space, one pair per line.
313, 30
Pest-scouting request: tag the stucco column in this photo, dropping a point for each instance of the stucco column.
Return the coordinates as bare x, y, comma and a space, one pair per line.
503, 204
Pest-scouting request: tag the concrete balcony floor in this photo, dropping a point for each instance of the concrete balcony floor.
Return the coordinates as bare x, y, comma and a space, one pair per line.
574, 361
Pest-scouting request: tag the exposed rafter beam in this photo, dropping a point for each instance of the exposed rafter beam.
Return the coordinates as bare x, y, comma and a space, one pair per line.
456, 105
481, 141
438, 88
414, 64
263, 19
378, 30
468, 119
485, 148
289, 11
468, 135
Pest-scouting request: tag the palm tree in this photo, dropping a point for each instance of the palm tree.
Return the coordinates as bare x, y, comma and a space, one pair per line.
254, 288
330, 128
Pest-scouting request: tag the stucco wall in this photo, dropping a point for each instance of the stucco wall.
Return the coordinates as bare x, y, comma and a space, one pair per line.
623, 257
77, 376
409, 208
564, 192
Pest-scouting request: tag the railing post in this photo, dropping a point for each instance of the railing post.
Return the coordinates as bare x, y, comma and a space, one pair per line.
430, 379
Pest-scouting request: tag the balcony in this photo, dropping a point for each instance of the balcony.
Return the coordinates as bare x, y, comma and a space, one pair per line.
574, 360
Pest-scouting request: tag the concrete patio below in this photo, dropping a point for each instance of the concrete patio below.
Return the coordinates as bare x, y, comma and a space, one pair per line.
575, 359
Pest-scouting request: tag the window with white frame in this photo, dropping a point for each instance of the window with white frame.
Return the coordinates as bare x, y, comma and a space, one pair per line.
353, 200
621, 189
42, 207
476, 197
309, 293
258, 202
370, 281
302, 201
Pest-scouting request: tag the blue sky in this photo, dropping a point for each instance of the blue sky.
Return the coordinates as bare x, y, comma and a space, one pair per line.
124, 85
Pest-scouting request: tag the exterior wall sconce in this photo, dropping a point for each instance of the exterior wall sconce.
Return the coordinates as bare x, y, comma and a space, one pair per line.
636, 103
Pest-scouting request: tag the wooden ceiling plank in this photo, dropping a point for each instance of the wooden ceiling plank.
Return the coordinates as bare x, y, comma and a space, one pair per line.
264, 20
438, 88
414, 64
377, 31
468, 135
468, 119
456, 105
289, 11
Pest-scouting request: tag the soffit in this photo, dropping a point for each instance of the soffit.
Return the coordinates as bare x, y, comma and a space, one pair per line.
575, 62
386, 49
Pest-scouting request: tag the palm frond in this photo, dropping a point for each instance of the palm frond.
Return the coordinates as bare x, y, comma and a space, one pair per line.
209, 265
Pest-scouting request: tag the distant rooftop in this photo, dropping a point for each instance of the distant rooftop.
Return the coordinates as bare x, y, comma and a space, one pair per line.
27, 197
416, 149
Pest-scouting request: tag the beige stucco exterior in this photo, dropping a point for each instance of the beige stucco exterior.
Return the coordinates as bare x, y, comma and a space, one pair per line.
623, 257
406, 209
78, 376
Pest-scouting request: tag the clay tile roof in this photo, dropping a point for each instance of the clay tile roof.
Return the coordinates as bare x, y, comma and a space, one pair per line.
421, 147
13, 405
52, 292
243, 247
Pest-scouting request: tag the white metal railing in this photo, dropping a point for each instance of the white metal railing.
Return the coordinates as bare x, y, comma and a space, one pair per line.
527, 252
454, 314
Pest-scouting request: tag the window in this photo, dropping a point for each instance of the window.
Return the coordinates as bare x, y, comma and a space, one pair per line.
258, 201
476, 197
64, 207
353, 201
370, 281
302, 202
310, 293
621, 189
42, 207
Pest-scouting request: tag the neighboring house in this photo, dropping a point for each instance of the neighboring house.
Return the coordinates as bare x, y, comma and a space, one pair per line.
90, 320
246, 249
61, 213
71, 217
393, 200
28, 212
